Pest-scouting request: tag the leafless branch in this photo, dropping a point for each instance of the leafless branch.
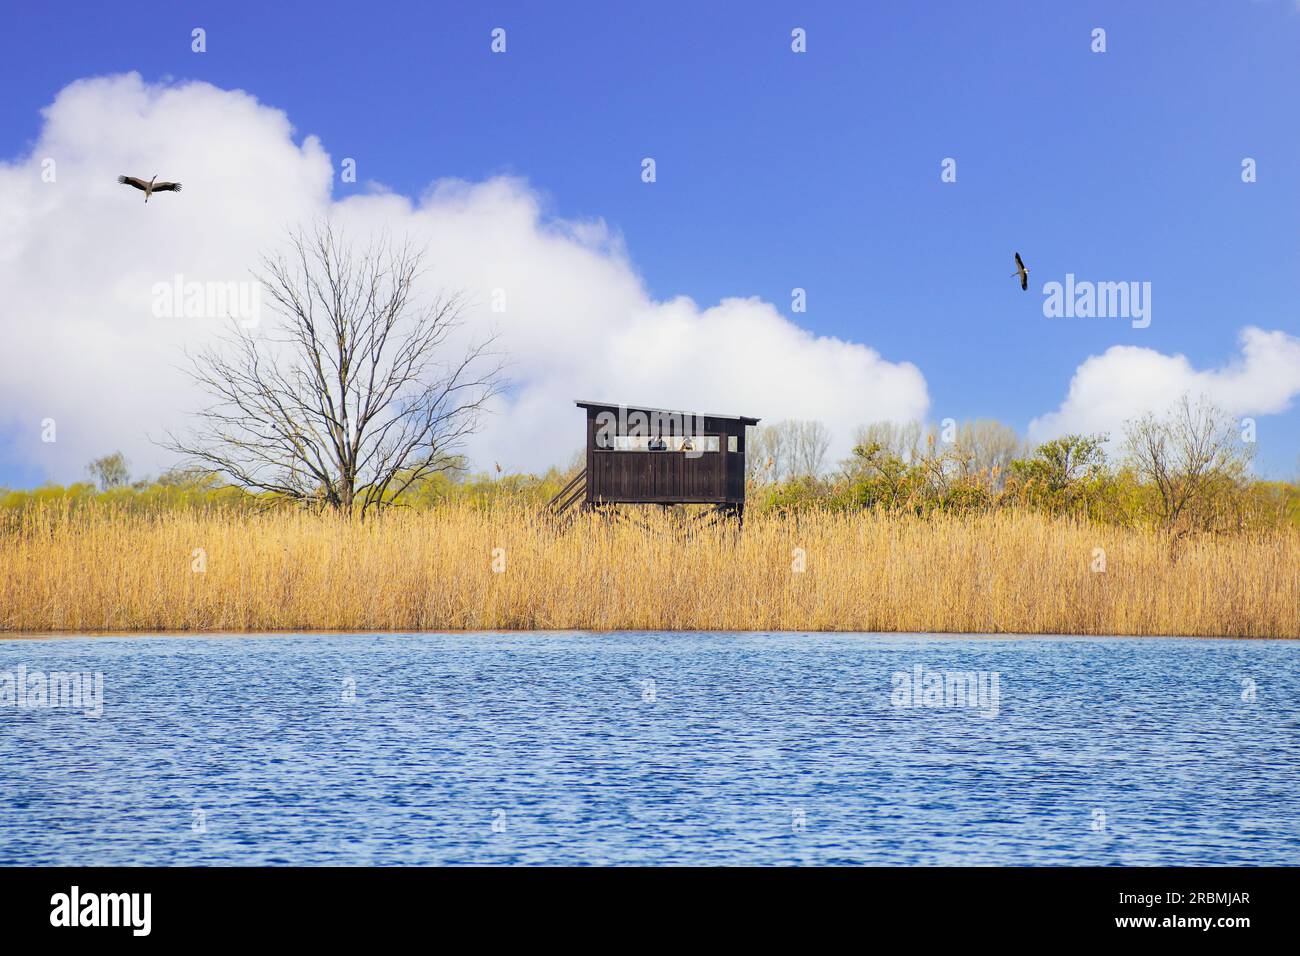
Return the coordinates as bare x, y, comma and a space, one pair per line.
353, 397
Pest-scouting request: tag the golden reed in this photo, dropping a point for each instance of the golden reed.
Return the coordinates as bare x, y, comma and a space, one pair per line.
510, 568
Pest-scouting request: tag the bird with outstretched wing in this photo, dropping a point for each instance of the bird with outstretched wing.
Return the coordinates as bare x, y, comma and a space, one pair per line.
150, 187
1022, 272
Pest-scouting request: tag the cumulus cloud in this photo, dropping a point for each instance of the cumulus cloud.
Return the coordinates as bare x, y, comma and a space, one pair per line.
1125, 381
81, 256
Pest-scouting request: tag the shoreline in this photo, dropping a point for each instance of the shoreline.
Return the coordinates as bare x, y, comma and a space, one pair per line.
578, 632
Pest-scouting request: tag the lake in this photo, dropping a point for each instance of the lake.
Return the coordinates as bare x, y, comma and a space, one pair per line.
651, 748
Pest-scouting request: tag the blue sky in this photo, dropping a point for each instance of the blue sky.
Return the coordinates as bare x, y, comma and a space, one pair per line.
819, 170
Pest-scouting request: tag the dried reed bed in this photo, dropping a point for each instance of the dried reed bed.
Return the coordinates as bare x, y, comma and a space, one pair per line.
1009, 571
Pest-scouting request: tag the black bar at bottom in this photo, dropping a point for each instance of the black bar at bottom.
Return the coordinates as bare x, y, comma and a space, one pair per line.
335, 905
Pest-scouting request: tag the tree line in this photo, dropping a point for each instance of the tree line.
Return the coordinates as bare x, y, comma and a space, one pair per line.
1185, 470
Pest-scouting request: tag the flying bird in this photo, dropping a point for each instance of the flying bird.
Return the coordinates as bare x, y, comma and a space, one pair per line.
1022, 272
149, 187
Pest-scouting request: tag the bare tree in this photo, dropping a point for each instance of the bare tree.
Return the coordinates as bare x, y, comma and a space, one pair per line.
356, 395
986, 447
786, 449
811, 440
111, 471
901, 441
1186, 455
765, 453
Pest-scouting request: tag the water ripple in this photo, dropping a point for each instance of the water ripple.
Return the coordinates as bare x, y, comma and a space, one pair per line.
640, 748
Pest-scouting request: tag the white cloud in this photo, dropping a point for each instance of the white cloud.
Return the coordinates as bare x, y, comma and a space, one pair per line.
80, 256
1125, 381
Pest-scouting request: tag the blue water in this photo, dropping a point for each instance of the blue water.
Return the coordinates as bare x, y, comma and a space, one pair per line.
744, 749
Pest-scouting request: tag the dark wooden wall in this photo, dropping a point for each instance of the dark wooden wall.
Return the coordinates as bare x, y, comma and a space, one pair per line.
668, 477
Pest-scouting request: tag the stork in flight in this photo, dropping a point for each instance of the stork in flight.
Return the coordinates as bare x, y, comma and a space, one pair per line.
1022, 272
149, 187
